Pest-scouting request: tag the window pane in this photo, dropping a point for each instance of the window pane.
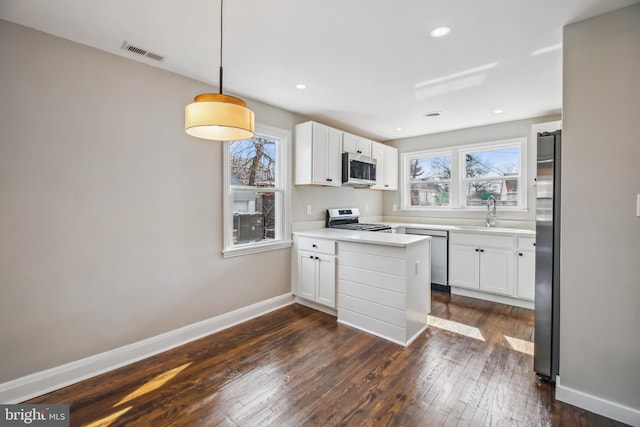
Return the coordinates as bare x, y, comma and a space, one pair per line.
505, 192
429, 194
493, 163
253, 162
430, 168
254, 216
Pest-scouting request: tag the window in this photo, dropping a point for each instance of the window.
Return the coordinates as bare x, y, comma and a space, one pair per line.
465, 177
430, 180
257, 197
493, 172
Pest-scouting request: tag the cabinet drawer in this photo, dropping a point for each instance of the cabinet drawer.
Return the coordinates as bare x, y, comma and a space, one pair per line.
526, 243
481, 240
317, 245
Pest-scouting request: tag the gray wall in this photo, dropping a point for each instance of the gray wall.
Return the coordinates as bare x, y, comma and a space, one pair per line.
481, 134
600, 276
111, 216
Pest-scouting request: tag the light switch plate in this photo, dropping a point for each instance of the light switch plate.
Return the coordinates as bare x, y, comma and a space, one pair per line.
308, 209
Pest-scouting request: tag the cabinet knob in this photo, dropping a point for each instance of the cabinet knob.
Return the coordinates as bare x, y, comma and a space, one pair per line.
520, 254
359, 152
477, 250
311, 256
386, 185
314, 245
481, 250
317, 258
330, 179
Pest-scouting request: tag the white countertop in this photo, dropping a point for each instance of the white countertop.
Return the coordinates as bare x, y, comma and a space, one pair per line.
376, 238
466, 228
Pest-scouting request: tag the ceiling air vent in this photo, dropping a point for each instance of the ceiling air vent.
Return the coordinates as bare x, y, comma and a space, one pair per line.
142, 52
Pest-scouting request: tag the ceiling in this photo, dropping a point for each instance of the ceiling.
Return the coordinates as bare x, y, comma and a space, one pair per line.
370, 66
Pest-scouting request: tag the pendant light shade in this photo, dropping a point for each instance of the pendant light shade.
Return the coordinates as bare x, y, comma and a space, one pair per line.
219, 117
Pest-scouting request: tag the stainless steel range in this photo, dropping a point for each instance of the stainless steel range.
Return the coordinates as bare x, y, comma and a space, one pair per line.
348, 219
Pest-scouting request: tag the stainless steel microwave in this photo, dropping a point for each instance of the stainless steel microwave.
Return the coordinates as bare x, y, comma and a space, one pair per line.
358, 170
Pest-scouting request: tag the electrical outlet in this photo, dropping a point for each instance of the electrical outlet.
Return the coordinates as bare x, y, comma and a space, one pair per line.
394, 207
309, 211
366, 208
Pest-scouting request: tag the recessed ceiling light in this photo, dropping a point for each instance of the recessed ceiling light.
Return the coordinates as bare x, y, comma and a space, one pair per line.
433, 114
301, 86
440, 31
498, 111
399, 129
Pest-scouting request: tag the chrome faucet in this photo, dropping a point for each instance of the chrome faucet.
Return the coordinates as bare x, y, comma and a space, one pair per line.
491, 211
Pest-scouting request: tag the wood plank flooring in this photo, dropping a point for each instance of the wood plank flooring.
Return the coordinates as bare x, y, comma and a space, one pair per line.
299, 367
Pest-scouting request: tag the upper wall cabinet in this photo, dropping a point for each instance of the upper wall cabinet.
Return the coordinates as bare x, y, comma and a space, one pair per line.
318, 153
386, 167
356, 144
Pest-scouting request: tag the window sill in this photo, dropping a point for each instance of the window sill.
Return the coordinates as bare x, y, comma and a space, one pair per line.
249, 248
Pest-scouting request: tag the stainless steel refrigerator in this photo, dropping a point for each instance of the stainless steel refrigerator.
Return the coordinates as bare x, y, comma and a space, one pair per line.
547, 290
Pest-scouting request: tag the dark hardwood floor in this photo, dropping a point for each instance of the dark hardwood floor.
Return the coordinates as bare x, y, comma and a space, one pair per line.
299, 367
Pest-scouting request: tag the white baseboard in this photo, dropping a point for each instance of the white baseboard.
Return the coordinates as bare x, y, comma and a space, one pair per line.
597, 405
39, 383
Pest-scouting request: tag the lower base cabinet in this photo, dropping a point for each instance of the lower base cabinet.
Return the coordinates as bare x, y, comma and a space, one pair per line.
498, 268
315, 270
317, 277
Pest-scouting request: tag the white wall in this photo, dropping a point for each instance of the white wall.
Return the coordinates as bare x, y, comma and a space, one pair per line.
110, 215
600, 273
481, 134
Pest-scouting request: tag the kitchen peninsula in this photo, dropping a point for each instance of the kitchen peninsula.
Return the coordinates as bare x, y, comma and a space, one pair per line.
375, 282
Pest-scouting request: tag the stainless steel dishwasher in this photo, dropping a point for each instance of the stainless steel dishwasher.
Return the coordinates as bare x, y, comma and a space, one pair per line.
439, 255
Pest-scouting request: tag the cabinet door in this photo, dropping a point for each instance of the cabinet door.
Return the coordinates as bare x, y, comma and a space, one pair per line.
365, 146
378, 152
320, 155
307, 275
349, 143
326, 291
495, 271
463, 266
390, 170
525, 276
334, 157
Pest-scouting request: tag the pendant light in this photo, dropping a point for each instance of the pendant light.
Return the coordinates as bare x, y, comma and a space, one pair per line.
217, 116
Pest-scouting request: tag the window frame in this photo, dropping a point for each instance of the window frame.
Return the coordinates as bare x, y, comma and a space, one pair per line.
406, 184
283, 203
457, 189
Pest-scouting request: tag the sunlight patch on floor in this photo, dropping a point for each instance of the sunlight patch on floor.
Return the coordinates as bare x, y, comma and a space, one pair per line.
522, 346
106, 421
455, 327
154, 383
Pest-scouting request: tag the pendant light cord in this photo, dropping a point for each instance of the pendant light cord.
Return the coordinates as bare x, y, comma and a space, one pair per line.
221, 9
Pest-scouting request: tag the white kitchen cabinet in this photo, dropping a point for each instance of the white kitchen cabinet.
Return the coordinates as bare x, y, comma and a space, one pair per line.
356, 144
318, 154
481, 262
386, 167
525, 267
316, 270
